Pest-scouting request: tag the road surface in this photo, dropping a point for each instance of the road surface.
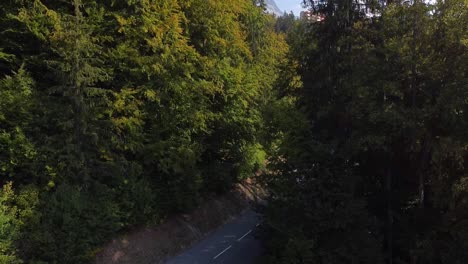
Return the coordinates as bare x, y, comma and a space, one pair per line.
234, 243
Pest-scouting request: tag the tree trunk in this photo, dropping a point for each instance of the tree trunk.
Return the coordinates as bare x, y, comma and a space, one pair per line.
388, 187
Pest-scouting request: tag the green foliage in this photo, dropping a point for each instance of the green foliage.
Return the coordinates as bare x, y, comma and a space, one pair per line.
385, 105
314, 215
9, 226
124, 112
115, 114
77, 222
139, 203
17, 150
286, 23
17, 212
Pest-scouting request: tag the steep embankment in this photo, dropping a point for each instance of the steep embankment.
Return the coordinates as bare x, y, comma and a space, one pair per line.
154, 244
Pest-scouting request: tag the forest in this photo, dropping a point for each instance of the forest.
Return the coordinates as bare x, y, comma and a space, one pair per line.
116, 114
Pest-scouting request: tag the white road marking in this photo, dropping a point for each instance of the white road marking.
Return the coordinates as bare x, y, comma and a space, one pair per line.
226, 249
244, 235
257, 225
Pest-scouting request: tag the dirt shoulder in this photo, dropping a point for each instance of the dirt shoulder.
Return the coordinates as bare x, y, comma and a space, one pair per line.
154, 245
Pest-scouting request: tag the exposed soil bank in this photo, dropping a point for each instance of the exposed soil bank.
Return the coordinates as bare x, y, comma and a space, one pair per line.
154, 245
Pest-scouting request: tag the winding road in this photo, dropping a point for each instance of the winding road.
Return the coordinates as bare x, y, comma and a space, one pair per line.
233, 243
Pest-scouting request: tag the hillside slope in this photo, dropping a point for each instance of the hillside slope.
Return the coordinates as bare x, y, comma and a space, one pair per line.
273, 8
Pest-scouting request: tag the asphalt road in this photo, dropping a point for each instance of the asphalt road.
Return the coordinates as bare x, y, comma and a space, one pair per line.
234, 243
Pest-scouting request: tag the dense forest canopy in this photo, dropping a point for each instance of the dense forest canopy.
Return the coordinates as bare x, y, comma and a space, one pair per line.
118, 114
115, 114
378, 172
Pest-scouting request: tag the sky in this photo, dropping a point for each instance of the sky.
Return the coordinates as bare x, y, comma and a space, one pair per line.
290, 5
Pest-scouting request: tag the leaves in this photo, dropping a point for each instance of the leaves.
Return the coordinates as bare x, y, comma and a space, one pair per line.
147, 106
383, 151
